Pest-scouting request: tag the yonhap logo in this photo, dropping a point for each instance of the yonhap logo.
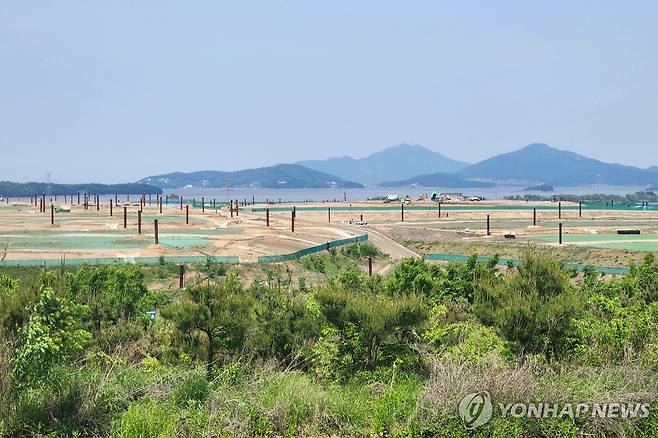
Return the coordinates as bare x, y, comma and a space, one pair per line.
475, 409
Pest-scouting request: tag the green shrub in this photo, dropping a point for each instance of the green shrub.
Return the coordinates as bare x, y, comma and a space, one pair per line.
191, 388
534, 307
363, 250
147, 419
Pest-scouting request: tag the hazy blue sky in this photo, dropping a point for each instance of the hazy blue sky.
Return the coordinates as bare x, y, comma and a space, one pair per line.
117, 90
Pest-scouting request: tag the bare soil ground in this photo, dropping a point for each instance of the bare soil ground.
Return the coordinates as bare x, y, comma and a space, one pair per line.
27, 234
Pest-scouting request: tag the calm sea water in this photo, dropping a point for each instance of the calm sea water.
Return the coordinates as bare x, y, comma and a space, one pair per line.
367, 193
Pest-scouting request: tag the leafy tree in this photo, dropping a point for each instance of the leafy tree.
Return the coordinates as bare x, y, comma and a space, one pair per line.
215, 318
284, 322
643, 279
621, 317
533, 307
111, 292
362, 251
455, 334
371, 327
435, 283
315, 263
52, 335
15, 302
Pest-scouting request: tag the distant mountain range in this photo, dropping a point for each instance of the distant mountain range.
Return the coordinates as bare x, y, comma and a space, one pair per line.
281, 176
540, 163
414, 165
392, 164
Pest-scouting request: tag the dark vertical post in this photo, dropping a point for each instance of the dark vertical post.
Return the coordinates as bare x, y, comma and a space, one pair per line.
580, 208
52, 214
160, 204
187, 214
181, 203
78, 198
439, 208
267, 217
559, 210
329, 213
139, 221
253, 200
125, 217
203, 204
402, 205
292, 221
111, 207
612, 203
98, 202
231, 207
488, 229
181, 276
361, 217
534, 217
237, 208
370, 266
155, 229
560, 239
294, 211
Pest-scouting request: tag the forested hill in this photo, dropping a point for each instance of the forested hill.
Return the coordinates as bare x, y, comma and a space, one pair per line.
392, 164
543, 164
31, 188
280, 176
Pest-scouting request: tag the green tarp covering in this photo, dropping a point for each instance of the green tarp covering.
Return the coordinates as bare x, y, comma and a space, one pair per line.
515, 262
311, 250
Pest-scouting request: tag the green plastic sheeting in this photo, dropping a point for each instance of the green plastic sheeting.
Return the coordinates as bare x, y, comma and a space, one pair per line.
311, 250
232, 260
628, 242
612, 270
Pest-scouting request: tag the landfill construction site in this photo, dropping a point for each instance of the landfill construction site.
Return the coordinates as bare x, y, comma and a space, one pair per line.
40, 231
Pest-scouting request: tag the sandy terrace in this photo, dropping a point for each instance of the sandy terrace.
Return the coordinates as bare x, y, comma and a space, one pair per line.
27, 234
